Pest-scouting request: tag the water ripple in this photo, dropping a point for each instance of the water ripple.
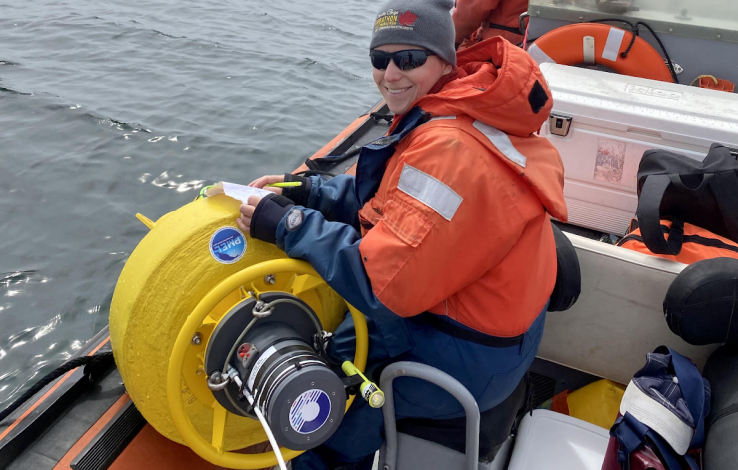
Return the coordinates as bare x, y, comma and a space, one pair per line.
164, 181
100, 122
168, 35
21, 277
14, 92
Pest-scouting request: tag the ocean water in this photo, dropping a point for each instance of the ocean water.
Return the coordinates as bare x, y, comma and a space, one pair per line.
112, 108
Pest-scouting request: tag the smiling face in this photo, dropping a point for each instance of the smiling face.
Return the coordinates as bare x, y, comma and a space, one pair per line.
400, 88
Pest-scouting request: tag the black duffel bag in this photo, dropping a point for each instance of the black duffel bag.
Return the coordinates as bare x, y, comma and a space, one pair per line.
673, 186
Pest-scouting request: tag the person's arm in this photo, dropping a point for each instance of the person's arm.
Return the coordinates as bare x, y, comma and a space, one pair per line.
332, 248
334, 198
416, 256
469, 14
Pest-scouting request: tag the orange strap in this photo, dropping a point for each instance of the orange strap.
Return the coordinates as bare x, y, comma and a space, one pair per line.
698, 244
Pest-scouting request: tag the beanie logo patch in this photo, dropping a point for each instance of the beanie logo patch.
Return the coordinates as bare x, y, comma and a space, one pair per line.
393, 19
407, 19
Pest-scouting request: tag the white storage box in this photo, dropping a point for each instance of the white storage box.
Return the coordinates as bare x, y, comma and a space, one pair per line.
614, 120
552, 441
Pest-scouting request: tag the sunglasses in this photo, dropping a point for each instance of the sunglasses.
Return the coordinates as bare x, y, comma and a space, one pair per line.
404, 60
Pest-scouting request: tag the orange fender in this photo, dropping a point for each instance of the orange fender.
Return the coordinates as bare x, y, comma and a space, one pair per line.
566, 45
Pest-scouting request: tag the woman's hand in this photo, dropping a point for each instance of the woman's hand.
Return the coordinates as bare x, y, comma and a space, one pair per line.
247, 210
269, 179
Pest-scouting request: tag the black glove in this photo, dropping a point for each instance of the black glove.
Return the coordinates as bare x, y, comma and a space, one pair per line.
267, 215
298, 194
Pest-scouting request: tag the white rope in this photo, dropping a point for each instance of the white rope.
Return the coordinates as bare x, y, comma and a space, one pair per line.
268, 431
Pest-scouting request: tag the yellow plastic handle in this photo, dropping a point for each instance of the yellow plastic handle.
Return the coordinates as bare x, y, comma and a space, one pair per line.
215, 453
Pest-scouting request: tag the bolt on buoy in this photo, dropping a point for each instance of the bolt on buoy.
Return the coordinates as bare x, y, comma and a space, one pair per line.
197, 339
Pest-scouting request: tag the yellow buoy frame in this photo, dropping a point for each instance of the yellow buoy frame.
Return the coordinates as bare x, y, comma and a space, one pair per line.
164, 279
214, 451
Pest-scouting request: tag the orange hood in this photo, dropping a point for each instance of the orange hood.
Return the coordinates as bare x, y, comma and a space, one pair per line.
495, 84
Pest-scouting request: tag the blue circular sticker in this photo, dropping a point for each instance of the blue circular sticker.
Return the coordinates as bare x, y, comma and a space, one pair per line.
227, 245
310, 411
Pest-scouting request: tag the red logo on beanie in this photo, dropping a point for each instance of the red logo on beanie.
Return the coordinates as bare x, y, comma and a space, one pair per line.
407, 19
393, 19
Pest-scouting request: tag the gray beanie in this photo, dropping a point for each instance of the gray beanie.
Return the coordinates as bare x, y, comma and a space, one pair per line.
423, 23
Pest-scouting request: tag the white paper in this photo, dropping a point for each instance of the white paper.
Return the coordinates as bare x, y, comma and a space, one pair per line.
236, 191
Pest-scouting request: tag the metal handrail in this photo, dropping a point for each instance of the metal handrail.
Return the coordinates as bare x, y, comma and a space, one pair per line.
446, 382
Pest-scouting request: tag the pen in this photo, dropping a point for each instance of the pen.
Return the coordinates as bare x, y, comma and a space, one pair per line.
289, 184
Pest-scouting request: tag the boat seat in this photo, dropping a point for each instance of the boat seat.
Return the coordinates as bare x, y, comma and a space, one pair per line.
494, 427
721, 426
415, 453
460, 446
554, 441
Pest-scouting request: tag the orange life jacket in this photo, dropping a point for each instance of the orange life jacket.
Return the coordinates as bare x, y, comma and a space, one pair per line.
698, 244
477, 20
460, 223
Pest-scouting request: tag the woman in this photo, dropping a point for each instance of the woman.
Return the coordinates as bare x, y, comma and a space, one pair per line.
443, 238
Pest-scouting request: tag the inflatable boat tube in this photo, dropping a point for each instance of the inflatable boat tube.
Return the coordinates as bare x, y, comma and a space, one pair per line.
702, 302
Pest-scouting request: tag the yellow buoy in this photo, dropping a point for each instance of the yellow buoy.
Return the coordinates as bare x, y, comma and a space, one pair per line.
173, 268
